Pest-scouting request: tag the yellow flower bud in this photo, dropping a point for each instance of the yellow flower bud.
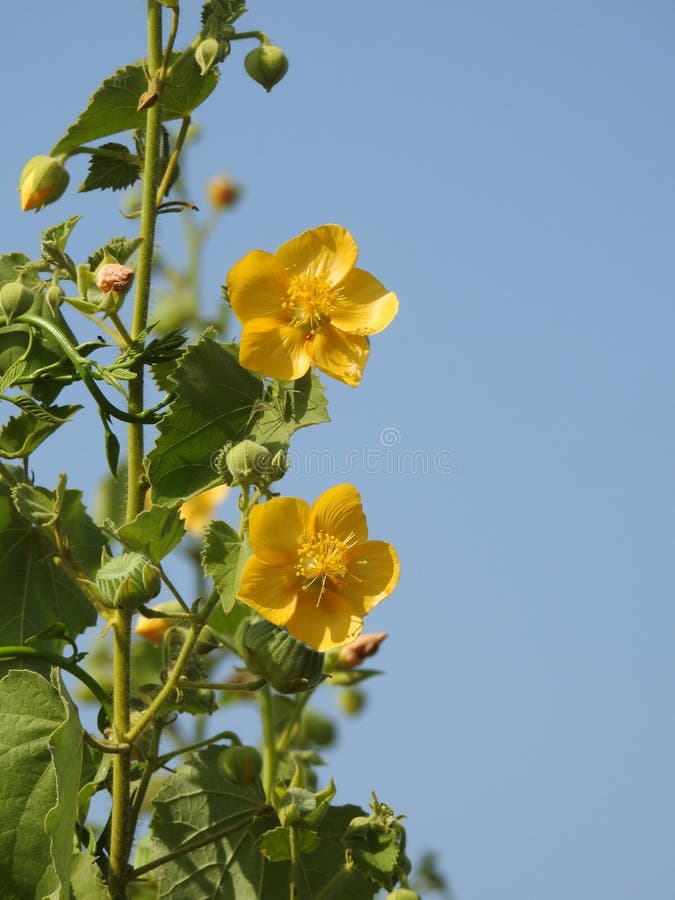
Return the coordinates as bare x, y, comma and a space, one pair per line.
42, 181
267, 65
153, 630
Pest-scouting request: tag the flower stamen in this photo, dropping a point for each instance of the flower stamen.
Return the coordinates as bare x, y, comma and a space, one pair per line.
311, 299
321, 557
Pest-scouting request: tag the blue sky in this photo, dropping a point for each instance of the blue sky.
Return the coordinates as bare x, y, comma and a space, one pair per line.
507, 169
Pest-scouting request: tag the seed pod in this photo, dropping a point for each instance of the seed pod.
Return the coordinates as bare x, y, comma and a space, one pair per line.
43, 180
248, 462
267, 65
240, 764
289, 665
15, 299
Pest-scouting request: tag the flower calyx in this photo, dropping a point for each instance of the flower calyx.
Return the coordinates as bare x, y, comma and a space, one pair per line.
298, 807
267, 65
289, 665
250, 463
126, 581
210, 52
15, 299
42, 181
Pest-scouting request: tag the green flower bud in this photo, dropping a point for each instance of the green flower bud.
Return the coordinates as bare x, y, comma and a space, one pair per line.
296, 806
289, 665
15, 298
403, 893
55, 296
317, 728
267, 65
129, 580
248, 462
208, 640
210, 52
42, 181
240, 764
351, 700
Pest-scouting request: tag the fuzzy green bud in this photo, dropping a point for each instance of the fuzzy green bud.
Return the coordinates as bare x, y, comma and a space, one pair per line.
55, 296
43, 180
128, 581
15, 299
248, 462
210, 52
240, 764
267, 65
403, 893
289, 665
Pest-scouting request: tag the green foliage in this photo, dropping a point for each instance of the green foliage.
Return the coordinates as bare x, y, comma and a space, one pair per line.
23, 434
287, 406
37, 591
115, 171
154, 532
223, 558
119, 248
215, 401
41, 749
114, 106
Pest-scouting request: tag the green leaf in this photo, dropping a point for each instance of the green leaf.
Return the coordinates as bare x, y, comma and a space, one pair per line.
37, 505
41, 750
154, 532
36, 592
21, 435
374, 848
85, 879
215, 401
197, 801
115, 173
113, 107
275, 844
221, 560
288, 406
55, 237
120, 248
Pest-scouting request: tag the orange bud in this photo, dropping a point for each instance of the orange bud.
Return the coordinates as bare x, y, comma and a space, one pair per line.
114, 277
355, 653
222, 191
153, 630
43, 180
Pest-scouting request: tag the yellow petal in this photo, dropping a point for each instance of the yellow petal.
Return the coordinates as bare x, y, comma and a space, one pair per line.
365, 305
373, 570
276, 350
338, 512
257, 287
198, 511
331, 623
271, 591
275, 527
329, 250
342, 356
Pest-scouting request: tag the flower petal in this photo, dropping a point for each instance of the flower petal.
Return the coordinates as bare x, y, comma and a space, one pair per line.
276, 350
331, 623
343, 356
338, 512
365, 306
329, 250
257, 287
271, 591
373, 570
275, 527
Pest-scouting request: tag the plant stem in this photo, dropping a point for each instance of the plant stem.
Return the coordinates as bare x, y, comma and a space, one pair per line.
328, 889
222, 735
120, 836
173, 159
293, 885
269, 744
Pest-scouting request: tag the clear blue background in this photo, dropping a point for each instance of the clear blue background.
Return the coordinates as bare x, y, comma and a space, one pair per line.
507, 169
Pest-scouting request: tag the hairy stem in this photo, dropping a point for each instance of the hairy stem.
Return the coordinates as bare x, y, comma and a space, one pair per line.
120, 836
269, 754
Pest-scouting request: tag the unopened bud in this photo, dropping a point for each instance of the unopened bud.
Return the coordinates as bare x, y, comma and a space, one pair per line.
210, 52
222, 191
403, 894
289, 665
352, 655
248, 462
114, 277
15, 299
240, 764
42, 181
154, 629
267, 65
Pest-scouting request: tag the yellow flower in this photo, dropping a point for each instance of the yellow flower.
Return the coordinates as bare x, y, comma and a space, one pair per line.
314, 571
307, 304
198, 511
